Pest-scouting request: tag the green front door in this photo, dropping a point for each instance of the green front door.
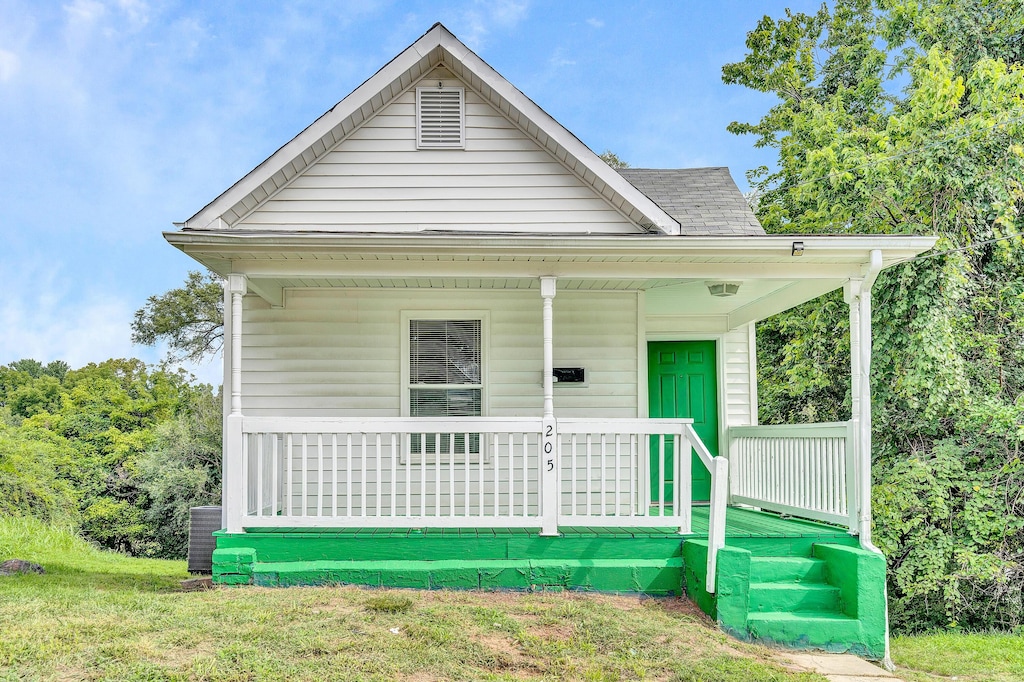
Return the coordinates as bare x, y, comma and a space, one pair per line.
682, 383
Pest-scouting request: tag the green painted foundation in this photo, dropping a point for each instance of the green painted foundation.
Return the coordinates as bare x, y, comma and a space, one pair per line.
779, 581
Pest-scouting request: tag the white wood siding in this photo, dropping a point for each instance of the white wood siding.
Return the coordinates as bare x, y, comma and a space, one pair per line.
736, 350
377, 180
337, 352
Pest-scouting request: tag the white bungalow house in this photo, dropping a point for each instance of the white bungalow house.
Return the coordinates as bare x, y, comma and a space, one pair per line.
465, 352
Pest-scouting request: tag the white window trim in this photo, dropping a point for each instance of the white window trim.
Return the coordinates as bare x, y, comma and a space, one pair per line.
407, 386
462, 119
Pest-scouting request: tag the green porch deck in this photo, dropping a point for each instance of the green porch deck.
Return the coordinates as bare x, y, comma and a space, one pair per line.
739, 523
629, 559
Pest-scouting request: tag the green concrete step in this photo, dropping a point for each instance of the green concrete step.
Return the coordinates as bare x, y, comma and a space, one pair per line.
644, 576
822, 630
772, 569
793, 597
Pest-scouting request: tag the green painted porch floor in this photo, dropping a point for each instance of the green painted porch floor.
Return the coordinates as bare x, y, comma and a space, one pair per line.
739, 523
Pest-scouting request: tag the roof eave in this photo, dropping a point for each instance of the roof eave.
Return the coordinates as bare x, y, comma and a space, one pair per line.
895, 248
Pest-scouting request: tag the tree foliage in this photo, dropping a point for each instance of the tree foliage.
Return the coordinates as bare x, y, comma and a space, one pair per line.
116, 448
189, 319
612, 159
907, 116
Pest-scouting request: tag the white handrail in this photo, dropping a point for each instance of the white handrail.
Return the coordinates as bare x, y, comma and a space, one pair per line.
718, 467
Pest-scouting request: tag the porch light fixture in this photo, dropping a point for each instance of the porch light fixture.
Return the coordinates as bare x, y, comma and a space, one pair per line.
723, 288
798, 249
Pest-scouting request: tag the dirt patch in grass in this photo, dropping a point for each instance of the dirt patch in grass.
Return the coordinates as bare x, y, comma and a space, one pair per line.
680, 606
509, 657
551, 631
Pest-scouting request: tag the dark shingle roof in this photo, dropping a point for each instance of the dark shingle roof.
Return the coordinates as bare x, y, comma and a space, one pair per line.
705, 201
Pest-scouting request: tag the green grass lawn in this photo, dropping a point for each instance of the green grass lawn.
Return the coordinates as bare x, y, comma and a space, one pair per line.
98, 615
963, 656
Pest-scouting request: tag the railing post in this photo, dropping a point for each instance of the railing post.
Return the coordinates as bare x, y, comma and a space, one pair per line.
683, 492
236, 488
716, 516
852, 476
549, 475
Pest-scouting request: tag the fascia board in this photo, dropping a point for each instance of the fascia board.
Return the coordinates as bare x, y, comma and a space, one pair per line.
294, 148
895, 248
559, 133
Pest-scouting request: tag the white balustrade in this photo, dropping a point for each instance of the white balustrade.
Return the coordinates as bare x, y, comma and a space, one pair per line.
625, 472
411, 472
804, 470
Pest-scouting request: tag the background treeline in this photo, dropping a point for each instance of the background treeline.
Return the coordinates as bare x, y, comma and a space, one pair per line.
116, 449
907, 116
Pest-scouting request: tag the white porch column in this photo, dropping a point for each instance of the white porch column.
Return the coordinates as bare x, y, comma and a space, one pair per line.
864, 437
233, 473
852, 293
858, 296
549, 428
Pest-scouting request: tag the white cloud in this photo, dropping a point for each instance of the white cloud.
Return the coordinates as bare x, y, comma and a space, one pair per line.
137, 12
84, 12
475, 24
42, 317
9, 65
558, 59
595, 22
508, 13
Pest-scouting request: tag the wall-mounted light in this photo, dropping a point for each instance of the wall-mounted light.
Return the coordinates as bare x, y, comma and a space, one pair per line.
798, 249
722, 288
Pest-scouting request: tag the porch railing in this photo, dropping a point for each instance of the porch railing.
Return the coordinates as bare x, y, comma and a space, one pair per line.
805, 470
470, 472
413, 472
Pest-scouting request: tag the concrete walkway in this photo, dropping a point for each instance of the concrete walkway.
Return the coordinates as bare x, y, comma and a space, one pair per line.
841, 667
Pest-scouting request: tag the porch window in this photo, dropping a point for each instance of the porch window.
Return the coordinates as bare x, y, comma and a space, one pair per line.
445, 380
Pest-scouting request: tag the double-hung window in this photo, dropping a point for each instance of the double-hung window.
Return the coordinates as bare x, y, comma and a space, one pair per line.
445, 379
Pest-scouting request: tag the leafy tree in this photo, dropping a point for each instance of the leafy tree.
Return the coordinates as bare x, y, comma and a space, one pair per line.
30, 484
190, 319
612, 159
97, 447
907, 116
36, 369
181, 470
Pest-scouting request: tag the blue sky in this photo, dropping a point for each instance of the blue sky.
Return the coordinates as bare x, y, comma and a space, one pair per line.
119, 117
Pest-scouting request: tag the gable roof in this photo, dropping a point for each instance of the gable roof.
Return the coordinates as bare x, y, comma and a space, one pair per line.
436, 47
705, 201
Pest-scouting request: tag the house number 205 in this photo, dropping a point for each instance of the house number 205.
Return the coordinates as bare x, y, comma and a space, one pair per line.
549, 432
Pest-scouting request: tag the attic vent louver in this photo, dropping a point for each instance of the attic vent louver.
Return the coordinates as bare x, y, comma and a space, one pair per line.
440, 118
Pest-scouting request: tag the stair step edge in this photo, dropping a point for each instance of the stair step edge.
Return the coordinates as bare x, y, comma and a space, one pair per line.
801, 615
809, 585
